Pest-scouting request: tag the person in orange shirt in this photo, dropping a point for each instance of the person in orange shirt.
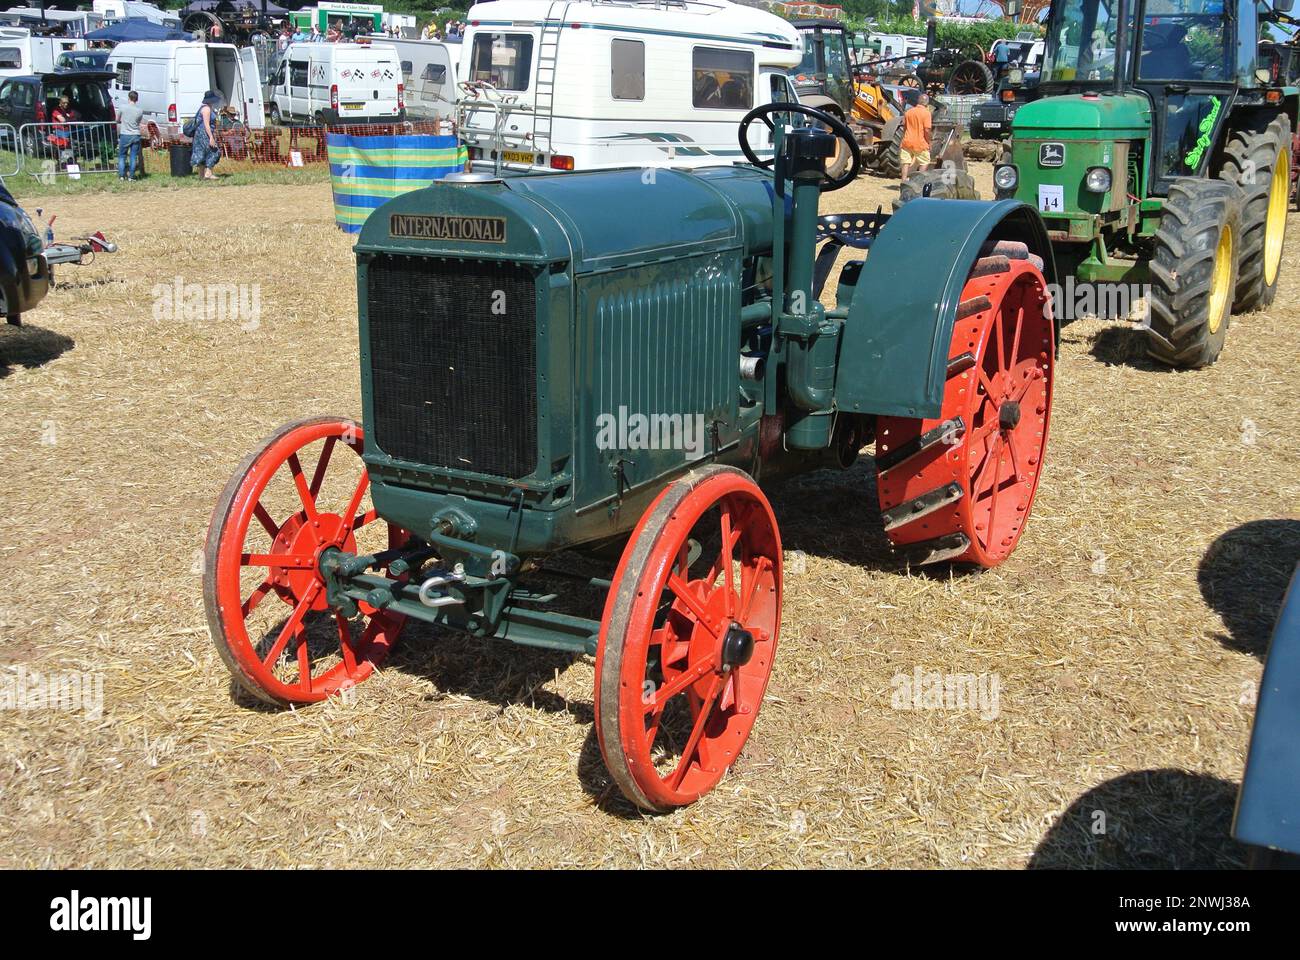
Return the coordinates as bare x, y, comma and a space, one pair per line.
916, 136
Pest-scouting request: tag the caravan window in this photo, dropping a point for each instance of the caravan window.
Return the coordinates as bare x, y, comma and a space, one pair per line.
724, 79
502, 59
627, 69
11, 58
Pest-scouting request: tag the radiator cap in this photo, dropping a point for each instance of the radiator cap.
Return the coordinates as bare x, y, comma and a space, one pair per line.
470, 176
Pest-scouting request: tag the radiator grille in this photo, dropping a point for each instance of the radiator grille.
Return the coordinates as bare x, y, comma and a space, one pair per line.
453, 363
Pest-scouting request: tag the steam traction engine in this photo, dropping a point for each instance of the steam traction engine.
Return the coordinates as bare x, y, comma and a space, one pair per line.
503, 322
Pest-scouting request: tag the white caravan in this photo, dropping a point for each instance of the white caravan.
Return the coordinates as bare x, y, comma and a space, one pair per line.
171, 77
327, 83
21, 53
894, 45
76, 23
587, 84
429, 75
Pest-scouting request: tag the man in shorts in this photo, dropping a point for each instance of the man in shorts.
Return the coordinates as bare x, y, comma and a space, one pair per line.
915, 148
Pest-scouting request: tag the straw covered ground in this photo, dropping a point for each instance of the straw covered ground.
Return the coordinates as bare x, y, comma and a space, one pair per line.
1125, 635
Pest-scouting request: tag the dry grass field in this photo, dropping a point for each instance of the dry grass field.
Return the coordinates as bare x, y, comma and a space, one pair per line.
1126, 634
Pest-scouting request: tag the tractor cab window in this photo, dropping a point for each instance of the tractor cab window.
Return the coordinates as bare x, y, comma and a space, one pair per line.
504, 60
1184, 40
837, 64
808, 65
1081, 41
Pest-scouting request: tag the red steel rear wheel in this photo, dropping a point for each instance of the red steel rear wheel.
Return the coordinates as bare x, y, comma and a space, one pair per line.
268, 533
688, 638
960, 487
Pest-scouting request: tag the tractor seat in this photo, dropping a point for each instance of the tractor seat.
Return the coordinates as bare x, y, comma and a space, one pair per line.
851, 229
856, 230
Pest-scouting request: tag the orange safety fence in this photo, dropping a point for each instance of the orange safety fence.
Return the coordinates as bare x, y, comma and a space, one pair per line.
242, 148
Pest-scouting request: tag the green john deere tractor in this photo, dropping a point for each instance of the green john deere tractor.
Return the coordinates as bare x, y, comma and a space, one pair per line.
1172, 169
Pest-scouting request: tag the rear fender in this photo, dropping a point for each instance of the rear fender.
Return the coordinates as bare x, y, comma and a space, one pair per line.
895, 344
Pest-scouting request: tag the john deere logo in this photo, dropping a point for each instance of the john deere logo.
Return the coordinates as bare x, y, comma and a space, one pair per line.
480, 229
1051, 154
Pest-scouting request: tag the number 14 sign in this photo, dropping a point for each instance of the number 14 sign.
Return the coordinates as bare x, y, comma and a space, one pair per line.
1051, 198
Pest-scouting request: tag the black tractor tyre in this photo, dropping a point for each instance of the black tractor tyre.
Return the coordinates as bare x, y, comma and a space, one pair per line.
1193, 265
889, 162
837, 164
970, 77
1251, 160
951, 184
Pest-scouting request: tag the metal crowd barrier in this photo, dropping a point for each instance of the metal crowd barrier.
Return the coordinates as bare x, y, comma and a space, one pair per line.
11, 159
68, 148
960, 107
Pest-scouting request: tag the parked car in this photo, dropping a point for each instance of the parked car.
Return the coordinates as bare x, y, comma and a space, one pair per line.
1266, 805
82, 60
32, 99
991, 120
24, 274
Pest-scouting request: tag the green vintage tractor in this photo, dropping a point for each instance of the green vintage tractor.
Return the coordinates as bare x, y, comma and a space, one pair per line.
1171, 171
583, 379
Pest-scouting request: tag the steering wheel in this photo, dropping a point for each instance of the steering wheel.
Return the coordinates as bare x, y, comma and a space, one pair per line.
836, 126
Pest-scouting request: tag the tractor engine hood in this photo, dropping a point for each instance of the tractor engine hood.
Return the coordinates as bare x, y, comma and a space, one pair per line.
1084, 117
593, 221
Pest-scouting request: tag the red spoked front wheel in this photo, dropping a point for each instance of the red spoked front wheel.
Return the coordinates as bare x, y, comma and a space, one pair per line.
262, 582
688, 638
960, 487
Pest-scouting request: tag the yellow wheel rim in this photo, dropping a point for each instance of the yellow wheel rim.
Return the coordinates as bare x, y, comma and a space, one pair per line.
1221, 282
1275, 225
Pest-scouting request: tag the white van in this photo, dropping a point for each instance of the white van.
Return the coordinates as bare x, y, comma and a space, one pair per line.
21, 53
583, 85
329, 83
428, 74
171, 77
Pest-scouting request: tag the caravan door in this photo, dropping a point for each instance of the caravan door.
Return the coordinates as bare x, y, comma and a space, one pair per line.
251, 81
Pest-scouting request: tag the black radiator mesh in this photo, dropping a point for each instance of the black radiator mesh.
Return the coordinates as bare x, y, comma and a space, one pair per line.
453, 363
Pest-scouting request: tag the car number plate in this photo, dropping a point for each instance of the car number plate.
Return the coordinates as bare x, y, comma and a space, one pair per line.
993, 125
517, 156
1051, 198
353, 106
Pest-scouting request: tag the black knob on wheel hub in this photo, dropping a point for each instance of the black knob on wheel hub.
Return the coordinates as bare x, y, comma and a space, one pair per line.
737, 646
1009, 415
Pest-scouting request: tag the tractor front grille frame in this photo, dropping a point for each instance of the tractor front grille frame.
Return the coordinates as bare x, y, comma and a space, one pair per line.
453, 363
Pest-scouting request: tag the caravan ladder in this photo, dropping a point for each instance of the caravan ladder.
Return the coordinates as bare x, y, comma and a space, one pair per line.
548, 49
